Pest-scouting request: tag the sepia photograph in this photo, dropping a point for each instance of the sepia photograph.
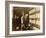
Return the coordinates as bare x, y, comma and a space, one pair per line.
25, 18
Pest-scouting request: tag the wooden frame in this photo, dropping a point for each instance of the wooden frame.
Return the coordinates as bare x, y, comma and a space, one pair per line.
7, 15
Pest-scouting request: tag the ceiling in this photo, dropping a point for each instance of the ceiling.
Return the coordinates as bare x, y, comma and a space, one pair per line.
18, 10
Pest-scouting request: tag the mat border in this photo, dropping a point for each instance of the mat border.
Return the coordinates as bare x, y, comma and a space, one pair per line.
7, 18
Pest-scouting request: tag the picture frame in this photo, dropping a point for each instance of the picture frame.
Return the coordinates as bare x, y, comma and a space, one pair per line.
10, 6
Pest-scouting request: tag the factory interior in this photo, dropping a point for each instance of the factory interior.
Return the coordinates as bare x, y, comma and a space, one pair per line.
25, 18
